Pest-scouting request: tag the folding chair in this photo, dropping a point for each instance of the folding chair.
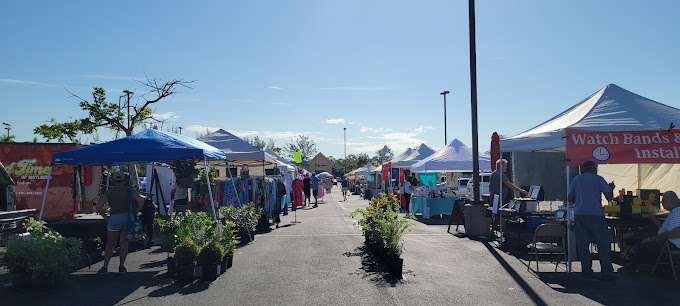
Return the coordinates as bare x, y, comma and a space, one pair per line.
671, 251
555, 232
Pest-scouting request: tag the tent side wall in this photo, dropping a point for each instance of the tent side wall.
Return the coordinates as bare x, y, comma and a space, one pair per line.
546, 169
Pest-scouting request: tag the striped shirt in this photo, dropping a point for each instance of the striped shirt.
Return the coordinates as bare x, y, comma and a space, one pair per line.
672, 221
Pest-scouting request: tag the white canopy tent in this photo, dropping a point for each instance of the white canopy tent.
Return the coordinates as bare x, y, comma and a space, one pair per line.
286, 169
454, 157
612, 108
419, 153
238, 151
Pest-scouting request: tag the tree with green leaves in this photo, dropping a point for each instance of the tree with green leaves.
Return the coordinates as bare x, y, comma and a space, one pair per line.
7, 138
303, 144
113, 116
377, 159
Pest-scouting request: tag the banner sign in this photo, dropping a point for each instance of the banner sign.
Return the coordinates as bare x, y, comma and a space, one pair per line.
386, 167
402, 175
297, 156
633, 147
28, 164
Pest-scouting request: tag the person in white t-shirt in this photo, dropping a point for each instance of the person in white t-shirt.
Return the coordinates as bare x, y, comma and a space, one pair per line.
651, 246
408, 191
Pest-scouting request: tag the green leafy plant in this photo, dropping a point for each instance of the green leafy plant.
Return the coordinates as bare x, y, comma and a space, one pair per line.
184, 168
186, 253
382, 225
20, 255
243, 217
224, 234
211, 254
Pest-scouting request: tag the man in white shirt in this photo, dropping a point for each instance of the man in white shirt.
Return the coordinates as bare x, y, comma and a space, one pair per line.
650, 247
408, 191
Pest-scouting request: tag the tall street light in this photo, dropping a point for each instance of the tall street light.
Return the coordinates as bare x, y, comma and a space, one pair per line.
7, 127
344, 132
444, 94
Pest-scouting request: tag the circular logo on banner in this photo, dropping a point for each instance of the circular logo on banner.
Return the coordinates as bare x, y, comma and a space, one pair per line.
601, 153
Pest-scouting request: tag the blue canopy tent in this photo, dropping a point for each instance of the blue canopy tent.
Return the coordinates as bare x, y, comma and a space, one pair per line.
144, 147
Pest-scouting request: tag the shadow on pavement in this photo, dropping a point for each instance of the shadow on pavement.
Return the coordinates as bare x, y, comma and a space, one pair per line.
108, 289
518, 279
373, 269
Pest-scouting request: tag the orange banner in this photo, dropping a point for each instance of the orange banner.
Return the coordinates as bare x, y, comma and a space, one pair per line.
633, 147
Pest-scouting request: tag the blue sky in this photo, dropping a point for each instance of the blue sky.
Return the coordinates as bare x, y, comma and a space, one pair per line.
278, 69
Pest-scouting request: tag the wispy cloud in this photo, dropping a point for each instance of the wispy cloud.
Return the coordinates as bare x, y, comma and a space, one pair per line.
169, 116
354, 123
397, 141
201, 129
113, 77
374, 130
357, 88
275, 87
335, 121
23, 82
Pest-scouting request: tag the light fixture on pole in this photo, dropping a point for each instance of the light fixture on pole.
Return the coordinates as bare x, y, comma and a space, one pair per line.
180, 130
444, 93
7, 127
344, 132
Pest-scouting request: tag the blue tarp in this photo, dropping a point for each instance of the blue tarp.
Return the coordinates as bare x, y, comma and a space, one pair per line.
144, 147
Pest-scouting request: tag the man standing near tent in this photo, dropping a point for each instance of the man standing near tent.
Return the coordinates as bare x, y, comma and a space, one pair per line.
307, 188
586, 192
315, 189
494, 181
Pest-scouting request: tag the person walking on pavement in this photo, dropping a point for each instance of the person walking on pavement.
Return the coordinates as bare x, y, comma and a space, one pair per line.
315, 190
586, 192
307, 187
119, 198
345, 187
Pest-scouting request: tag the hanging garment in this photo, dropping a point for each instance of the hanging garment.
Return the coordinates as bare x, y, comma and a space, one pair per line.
297, 193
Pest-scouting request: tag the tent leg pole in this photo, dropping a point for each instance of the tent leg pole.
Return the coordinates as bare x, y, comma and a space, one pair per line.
568, 223
207, 180
47, 187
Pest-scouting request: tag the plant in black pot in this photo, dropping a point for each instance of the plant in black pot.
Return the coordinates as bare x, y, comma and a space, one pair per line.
210, 258
58, 256
185, 259
19, 259
225, 235
185, 172
212, 174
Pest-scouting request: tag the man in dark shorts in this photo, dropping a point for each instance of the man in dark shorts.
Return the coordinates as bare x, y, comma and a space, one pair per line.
307, 188
315, 189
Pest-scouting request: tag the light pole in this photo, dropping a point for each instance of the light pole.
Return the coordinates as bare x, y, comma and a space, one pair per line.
180, 130
7, 127
444, 93
344, 132
128, 93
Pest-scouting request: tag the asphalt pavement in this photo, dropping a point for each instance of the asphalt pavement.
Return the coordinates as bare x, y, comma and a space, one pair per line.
320, 261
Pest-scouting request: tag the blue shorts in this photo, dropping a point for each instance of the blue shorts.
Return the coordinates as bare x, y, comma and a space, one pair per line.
119, 221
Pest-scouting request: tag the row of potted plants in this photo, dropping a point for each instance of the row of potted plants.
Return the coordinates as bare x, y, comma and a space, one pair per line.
383, 228
201, 247
41, 258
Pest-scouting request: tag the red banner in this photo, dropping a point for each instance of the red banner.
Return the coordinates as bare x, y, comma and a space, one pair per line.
402, 175
634, 147
386, 168
29, 164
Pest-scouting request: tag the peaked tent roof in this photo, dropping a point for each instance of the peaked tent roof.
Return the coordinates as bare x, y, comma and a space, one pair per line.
146, 146
280, 162
454, 157
237, 151
419, 153
365, 169
402, 156
612, 108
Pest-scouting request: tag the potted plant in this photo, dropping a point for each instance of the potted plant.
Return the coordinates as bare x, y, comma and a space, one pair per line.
185, 259
19, 259
210, 258
185, 172
228, 242
58, 256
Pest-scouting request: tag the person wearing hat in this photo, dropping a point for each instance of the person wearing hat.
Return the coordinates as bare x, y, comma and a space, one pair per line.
118, 198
